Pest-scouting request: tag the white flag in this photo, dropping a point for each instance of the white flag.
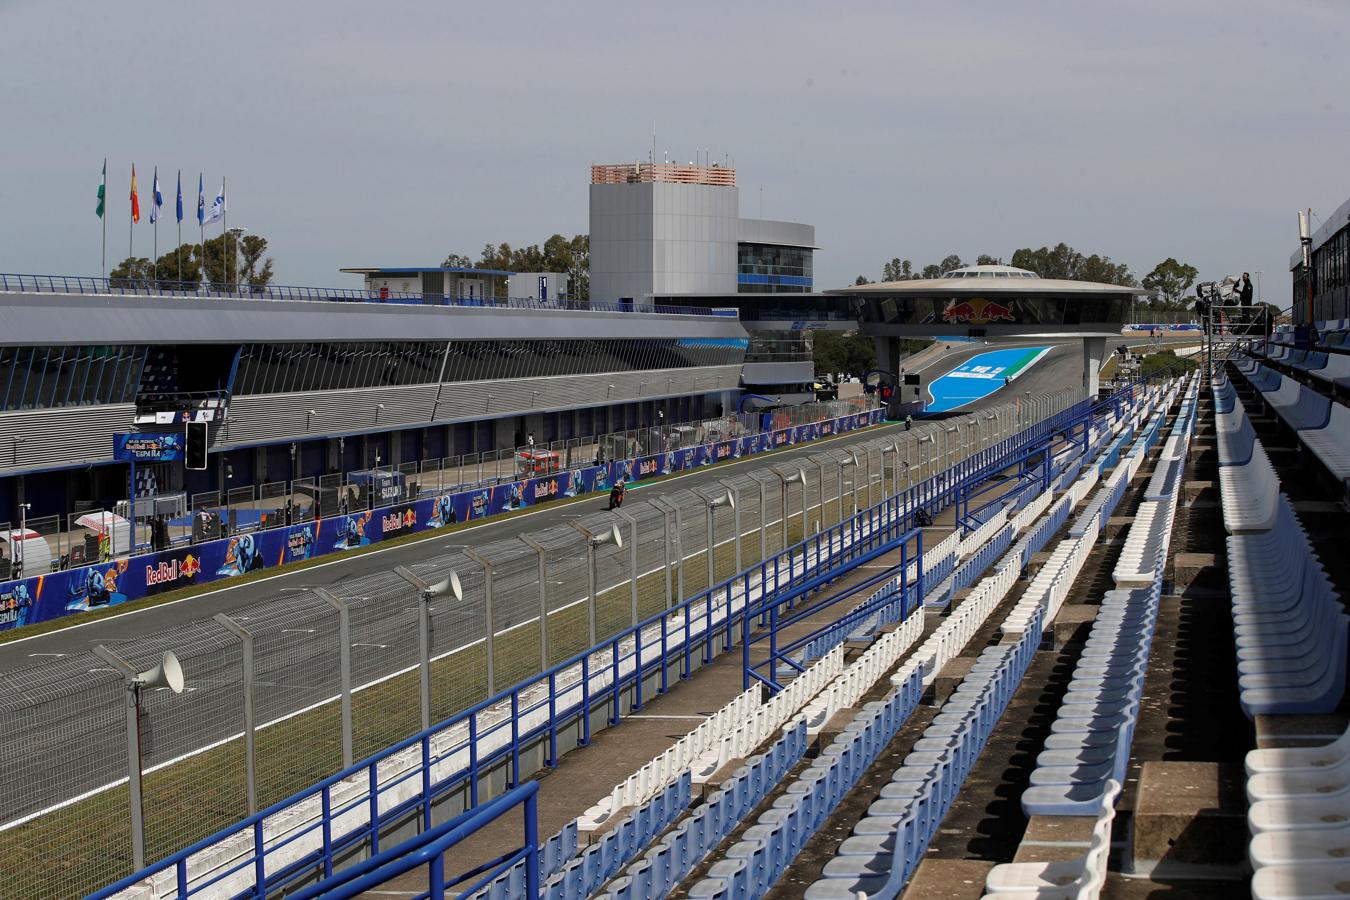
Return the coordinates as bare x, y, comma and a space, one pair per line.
217, 207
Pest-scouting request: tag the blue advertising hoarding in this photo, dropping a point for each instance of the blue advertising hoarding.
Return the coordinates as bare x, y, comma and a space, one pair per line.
44, 597
143, 447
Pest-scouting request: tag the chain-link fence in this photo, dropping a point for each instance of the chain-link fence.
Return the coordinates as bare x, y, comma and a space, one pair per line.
336, 674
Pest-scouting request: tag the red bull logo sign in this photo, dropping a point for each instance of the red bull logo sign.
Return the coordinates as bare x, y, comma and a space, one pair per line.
977, 312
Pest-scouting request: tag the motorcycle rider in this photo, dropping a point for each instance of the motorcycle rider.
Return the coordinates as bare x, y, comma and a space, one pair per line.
616, 495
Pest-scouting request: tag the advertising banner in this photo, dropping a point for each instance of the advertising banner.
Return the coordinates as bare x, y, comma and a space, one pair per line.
50, 596
139, 447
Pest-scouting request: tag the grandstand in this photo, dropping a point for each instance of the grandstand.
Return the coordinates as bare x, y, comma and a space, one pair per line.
1113, 662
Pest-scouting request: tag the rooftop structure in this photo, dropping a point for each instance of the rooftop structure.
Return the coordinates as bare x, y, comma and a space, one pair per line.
675, 173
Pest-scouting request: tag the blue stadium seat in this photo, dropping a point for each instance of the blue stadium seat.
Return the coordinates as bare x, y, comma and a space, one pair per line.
1290, 626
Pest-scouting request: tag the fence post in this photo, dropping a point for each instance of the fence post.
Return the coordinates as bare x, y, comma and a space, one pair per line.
489, 622
344, 666
543, 600
763, 535
425, 594
736, 522
138, 812
632, 561
250, 756
667, 536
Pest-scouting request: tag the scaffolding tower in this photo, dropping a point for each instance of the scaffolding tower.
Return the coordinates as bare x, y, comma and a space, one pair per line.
1231, 329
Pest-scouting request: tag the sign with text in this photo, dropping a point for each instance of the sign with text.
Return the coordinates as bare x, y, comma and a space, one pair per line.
141, 447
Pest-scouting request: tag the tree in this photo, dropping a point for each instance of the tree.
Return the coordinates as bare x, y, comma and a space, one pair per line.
861, 279
132, 273
984, 259
850, 353
457, 261
1169, 281
257, 271
897, 270
1062, 261
168, 269
558, 254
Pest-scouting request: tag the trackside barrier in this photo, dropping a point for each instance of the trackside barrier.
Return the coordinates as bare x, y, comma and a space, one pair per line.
753, 864
889, 841
429, 849
665, 865
403, 784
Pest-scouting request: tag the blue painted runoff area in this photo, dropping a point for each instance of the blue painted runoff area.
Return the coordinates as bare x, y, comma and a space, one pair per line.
980, 376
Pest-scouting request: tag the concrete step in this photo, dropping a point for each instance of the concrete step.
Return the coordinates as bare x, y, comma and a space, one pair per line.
948, 879
1190, 821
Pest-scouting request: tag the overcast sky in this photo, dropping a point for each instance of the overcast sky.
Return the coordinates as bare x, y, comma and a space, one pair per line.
392, 133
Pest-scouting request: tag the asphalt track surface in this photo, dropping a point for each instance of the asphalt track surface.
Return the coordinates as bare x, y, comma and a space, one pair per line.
1060, 368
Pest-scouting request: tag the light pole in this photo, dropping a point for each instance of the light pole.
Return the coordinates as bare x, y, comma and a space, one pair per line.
726, 499
235, 233
167, 674
23, 534
427, 592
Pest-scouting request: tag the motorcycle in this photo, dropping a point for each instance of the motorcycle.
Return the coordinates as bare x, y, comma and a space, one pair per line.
616, 496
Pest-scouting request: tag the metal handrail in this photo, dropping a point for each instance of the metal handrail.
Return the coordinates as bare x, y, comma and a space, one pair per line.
87, 284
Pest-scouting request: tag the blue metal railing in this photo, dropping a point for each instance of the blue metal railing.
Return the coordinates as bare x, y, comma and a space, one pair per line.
86, 284
429, 849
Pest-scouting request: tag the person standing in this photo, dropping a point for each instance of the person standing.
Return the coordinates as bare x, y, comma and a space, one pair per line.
1244, 291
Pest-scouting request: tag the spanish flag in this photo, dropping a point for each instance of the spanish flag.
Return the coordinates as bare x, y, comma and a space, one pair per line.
135, 202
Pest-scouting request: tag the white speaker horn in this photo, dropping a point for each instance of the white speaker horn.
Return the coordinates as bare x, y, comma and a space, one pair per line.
169, 674
617, 535
449, 586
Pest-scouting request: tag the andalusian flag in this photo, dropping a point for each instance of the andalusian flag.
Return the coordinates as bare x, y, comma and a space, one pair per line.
102, 186
135, 201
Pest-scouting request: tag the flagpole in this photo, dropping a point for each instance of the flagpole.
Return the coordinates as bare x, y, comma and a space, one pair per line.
104, 217
225, 248
131, 219
154, 243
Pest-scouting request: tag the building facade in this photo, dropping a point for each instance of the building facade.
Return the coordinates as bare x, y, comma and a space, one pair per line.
673, 234
1329, 277
301, 388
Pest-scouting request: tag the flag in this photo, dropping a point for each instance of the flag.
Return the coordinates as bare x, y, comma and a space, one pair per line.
217, 207
180, 195
201, 202
135, 202
102, 185
156, 200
